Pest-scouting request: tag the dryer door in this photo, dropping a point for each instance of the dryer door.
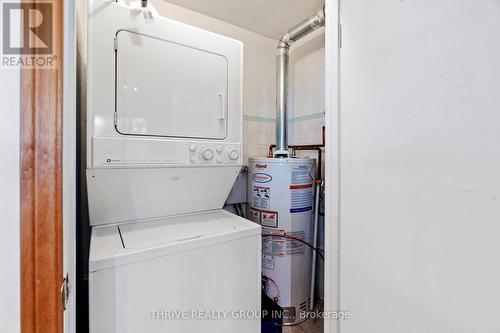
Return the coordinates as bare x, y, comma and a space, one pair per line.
167, 89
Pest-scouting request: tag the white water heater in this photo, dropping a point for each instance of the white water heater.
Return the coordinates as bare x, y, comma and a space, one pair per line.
280, 195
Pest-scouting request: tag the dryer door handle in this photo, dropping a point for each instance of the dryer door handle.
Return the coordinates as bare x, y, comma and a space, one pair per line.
222, 102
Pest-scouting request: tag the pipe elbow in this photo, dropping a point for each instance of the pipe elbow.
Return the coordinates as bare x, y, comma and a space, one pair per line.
284, 42
319, 19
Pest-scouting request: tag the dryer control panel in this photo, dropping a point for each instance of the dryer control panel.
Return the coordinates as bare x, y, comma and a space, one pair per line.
112, 152
213, 154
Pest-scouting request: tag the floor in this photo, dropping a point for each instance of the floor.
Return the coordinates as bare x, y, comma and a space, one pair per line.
308, 326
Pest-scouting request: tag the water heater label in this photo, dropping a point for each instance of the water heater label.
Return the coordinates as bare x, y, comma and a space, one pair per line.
261, 197
268, 262
273, 245
294, 247
301, 176
269, 219
301, 198
261, 177
254, 215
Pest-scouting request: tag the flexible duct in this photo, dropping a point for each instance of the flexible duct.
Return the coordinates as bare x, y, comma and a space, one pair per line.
294, 34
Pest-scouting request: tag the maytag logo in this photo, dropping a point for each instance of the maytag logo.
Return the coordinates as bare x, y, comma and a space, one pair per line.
28, 34
261, 166
262, 178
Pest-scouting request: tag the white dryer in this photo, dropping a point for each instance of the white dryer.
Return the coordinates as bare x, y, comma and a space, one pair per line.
164, 139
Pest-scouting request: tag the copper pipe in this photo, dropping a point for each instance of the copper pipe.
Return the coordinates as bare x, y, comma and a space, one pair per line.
318, 148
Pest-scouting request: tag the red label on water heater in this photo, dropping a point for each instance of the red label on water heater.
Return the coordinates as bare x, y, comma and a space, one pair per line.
296, 187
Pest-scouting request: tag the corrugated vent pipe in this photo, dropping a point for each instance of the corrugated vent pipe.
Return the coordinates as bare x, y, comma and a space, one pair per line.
294, 34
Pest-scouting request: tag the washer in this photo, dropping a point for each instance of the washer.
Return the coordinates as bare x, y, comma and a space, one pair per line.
161, 275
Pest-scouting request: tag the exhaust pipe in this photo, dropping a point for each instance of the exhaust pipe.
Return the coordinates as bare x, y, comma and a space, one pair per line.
294, 34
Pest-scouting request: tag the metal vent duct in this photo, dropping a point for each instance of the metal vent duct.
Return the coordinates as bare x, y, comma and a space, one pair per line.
294, 34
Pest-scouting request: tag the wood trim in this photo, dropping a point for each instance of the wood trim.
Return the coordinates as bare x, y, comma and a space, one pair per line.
41, 191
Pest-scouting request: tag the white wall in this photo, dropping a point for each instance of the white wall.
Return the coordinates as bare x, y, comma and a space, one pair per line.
307, 89
420, 166
9, 201
307, 75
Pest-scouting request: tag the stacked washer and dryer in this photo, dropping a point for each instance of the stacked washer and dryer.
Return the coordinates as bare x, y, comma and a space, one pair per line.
164, 138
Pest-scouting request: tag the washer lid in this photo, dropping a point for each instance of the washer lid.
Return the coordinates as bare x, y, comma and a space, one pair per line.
116, 245
177, 229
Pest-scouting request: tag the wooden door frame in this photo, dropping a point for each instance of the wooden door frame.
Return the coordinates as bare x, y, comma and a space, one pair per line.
41, 222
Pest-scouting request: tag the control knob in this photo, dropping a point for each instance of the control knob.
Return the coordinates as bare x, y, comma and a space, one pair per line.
208, 154
233, 154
